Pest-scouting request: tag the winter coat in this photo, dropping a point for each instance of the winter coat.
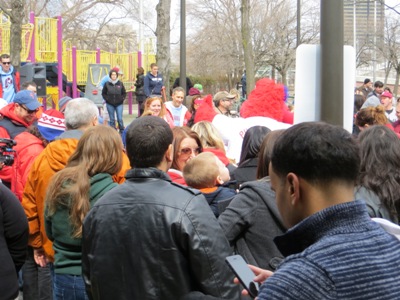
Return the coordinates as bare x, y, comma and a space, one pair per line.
152, 84
252, 221
218, 194
28, 148
68, 252
13, 242
152, 239
139, 84
114, 94
247, 171
10, 127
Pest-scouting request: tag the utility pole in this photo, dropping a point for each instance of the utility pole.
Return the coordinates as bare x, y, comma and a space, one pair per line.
182, 75
298, 32
332, 61
141, 37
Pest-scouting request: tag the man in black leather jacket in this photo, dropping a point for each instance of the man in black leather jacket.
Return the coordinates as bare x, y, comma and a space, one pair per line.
150, 238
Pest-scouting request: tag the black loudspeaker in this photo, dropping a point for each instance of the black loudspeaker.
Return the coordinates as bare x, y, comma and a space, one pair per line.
37, 74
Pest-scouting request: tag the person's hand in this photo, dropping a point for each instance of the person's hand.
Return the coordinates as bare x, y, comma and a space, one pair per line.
1, 166
40, 257
261, 276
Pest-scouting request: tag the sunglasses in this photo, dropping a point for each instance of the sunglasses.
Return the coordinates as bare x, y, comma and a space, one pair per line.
30, 111
6, 63
188, 151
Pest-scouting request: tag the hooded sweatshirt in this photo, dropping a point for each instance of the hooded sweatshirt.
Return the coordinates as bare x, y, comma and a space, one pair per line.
152, 84
10, 83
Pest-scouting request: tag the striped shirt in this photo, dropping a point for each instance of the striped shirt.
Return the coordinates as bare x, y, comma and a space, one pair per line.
337, 253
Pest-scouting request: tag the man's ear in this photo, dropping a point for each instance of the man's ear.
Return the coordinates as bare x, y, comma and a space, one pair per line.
95, 121
293, 185
169, 154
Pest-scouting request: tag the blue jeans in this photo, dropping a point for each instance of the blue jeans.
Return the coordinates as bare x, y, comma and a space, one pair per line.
111, 112
69, 287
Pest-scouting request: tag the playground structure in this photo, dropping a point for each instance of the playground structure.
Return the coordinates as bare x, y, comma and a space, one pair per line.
42, 43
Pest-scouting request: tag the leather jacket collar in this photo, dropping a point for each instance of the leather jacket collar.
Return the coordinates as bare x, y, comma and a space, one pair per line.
143, 173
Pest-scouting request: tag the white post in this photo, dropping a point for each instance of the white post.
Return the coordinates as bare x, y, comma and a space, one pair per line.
141, 37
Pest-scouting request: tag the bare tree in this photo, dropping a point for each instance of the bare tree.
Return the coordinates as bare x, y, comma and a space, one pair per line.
391, 47
247, 46
15, 11
163, 39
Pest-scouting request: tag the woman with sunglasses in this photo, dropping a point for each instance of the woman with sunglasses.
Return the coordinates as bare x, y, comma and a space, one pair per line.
186, 146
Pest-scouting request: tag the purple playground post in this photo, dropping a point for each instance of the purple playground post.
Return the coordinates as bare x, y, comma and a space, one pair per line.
139, 58
59, 58
74, 75
32, 57
98, 55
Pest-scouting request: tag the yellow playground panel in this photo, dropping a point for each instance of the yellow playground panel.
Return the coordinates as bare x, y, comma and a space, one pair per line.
46, 40
46, 33
27, 31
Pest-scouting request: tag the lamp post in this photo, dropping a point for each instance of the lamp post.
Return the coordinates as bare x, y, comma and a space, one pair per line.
182, 76
298, 23
332, 61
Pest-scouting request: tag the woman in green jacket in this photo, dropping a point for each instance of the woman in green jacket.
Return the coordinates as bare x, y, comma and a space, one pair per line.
71, 194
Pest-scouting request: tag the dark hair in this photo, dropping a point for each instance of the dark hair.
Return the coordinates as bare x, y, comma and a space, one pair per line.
378, 84
112, 71
317, 152
358, 102
264, 156
251, 142
380, 166
147, 140
180, 133
367, 80
25, 85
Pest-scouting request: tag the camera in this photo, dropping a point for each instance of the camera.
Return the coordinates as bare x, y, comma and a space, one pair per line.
5, 148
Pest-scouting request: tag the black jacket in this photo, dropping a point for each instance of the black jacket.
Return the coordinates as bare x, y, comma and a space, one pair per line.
221, 194
139, 84
251, 222
13, 242
114, 94
247, 171
152, 239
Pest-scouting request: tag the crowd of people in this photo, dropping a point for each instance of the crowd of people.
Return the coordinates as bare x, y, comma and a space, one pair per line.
152, 211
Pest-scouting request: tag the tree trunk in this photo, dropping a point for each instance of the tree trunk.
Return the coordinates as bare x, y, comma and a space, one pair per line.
247, 46
16, 18
396, 84
163, 40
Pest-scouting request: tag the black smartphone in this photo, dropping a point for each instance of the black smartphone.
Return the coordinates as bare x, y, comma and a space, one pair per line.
243, 273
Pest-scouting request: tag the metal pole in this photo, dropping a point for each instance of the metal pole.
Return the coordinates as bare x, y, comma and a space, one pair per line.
182, 76
354, 26
298, 23
141, 37
332, 61
374, 53
74, 74
59, 58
